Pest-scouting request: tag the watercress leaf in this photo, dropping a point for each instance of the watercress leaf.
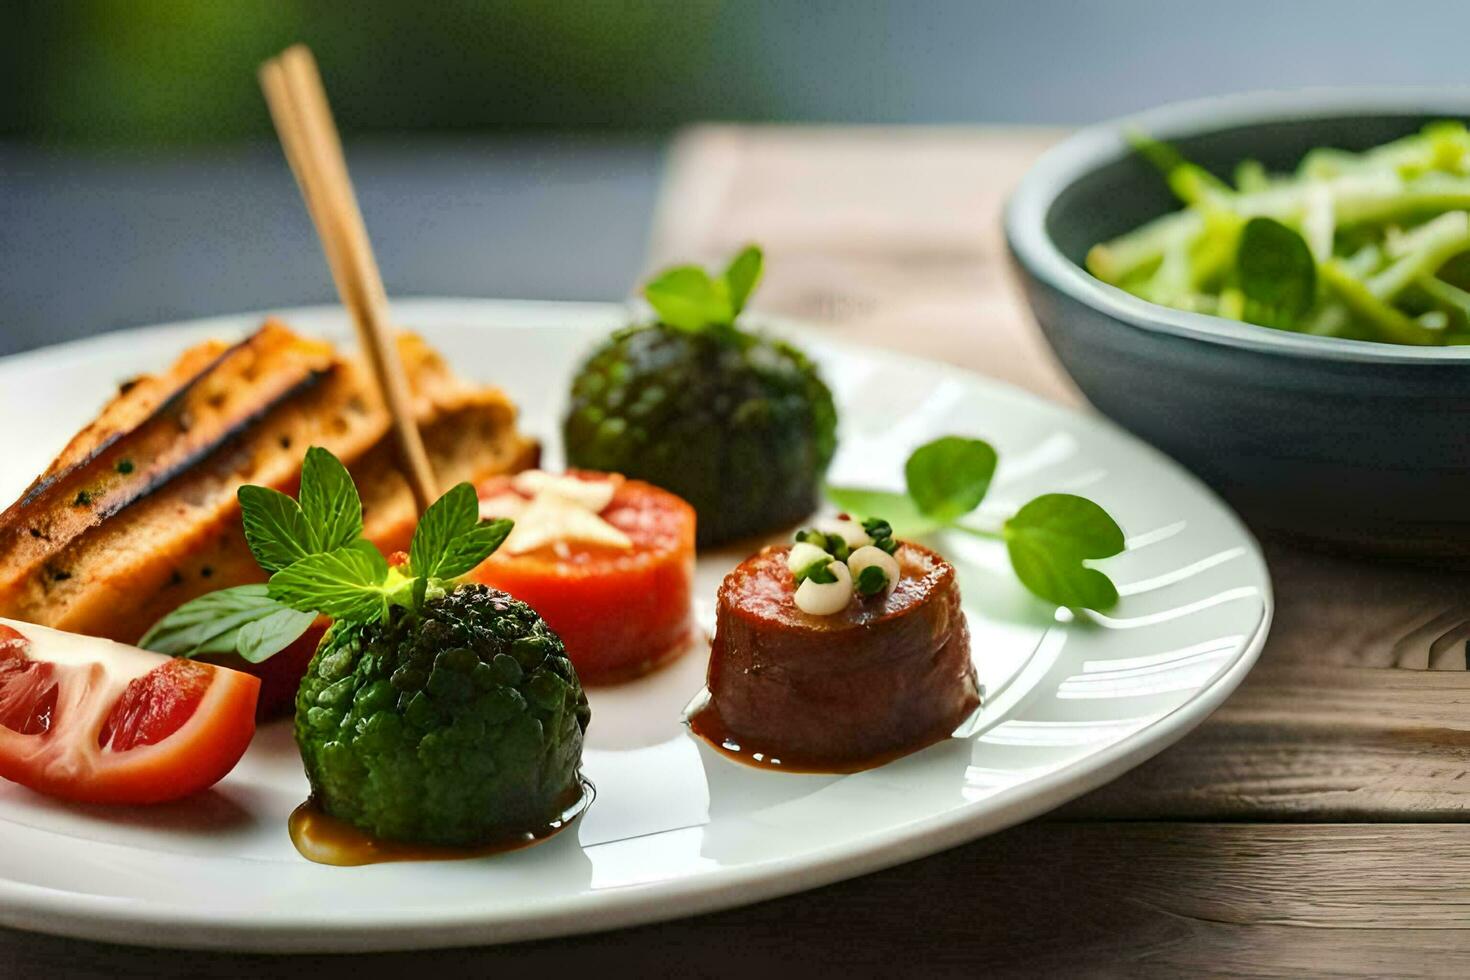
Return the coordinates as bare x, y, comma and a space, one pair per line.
686, 297
446, 519
896, 508
275, 528
947, 478
1049, 539
742, 276
1278, 274
329, 501
348, 583
243, 620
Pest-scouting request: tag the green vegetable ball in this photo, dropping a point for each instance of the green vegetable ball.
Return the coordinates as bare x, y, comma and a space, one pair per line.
739, 425
459, 724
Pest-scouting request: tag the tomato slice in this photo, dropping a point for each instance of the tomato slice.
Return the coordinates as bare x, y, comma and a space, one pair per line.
621, 613
95, 721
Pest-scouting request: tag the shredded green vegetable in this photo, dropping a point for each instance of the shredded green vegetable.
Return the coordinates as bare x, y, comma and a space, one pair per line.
1367, 246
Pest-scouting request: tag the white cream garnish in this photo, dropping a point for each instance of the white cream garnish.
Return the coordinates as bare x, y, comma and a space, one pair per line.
870, 556
507, 504
550, 518
826, 598
846, 528
803, 556
593, 495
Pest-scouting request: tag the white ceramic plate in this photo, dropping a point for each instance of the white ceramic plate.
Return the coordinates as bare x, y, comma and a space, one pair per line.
676, 829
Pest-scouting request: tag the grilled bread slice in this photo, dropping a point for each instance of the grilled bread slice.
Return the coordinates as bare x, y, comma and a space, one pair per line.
138, 514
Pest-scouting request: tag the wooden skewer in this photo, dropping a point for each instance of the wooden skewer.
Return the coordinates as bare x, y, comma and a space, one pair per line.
303, 119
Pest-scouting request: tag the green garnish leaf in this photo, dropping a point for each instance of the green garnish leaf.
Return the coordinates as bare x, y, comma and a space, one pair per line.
947, 478
1277, 273
275, 528
686, 297
451, 539
243, 620
1049, 539
689, 298
348, 583
871, 581
329, 501
742, 276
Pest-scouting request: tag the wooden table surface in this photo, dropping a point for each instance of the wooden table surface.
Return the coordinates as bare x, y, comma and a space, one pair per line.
1312, 826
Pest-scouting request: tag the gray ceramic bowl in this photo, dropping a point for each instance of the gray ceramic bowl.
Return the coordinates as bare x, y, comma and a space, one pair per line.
1346, 442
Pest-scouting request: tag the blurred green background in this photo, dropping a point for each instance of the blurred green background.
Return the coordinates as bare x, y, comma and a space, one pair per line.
515, 148
179, 71
116, 72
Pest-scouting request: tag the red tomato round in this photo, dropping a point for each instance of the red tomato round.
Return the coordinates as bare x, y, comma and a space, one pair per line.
620, 612
94, 721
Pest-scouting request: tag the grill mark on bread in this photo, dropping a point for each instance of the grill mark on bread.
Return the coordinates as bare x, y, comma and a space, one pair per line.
142, 559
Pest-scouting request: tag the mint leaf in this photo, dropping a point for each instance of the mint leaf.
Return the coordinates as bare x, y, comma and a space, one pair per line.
686, 297
275, 528
263, 638
1278, 274
741, 277
897, 508
329, 501
348, 583
468, 550
1049, 539
452, 515
243, 620
947, 478
451, 539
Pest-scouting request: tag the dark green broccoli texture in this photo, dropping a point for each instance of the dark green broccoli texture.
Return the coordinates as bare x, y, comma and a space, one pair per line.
457, 725
739, 425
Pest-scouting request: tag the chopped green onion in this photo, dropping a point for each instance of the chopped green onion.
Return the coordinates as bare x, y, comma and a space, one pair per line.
871, 581
882, 534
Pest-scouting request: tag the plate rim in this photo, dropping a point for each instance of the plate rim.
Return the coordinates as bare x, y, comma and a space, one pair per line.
147, 922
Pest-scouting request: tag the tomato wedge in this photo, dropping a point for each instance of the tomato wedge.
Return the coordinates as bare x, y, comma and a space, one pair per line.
95, 721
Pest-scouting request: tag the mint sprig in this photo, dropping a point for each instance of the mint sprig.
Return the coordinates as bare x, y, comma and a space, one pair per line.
689, 298
1049, 540
320, 564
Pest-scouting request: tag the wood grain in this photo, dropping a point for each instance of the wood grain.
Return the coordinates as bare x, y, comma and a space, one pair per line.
1053, 899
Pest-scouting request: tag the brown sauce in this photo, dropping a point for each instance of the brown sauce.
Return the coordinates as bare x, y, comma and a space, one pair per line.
325, 839
705, 721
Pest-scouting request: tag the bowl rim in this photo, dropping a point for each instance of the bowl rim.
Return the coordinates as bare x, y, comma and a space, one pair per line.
1024, 219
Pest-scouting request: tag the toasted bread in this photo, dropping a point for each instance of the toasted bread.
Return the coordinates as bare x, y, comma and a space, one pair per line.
138, 514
